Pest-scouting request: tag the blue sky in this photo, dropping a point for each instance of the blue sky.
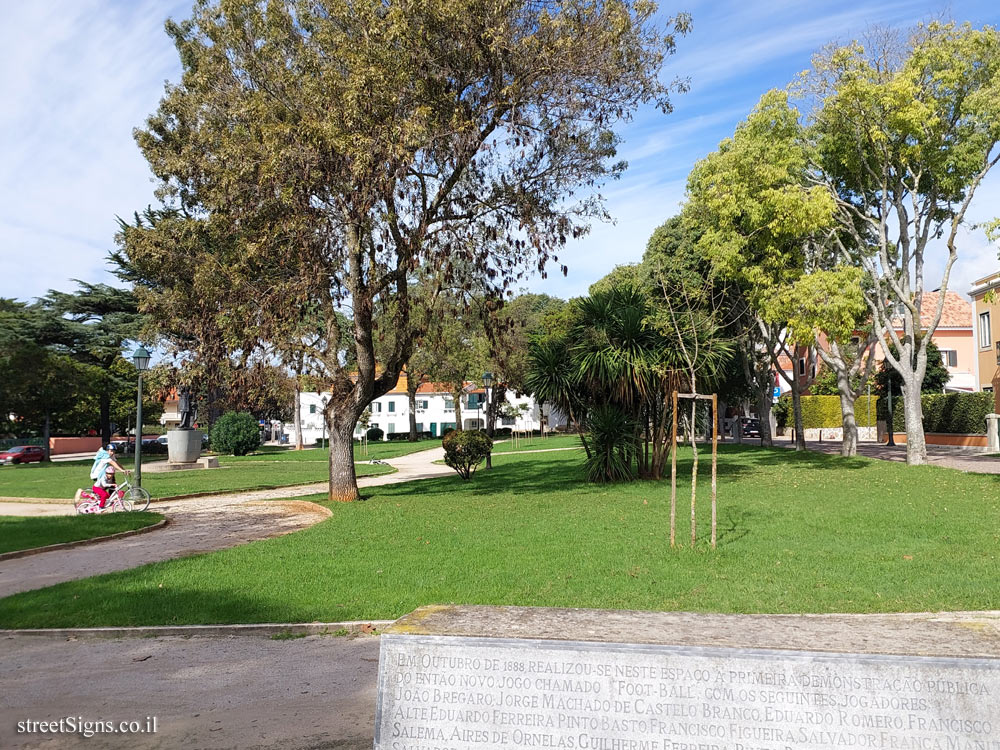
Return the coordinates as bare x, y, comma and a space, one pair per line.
78, 75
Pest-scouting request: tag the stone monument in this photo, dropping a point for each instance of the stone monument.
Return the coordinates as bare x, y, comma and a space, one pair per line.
472, 678
184, 442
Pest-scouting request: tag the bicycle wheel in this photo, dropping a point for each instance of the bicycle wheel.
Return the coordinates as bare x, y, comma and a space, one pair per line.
86, 506
138, 497
125, 504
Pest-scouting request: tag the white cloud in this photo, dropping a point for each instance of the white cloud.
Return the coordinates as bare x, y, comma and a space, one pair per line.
78, 77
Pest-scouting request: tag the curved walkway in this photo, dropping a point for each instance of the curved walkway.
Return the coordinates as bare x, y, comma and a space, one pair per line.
196, 525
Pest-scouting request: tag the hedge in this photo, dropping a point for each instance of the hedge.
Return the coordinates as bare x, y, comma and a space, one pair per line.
950, 413
824, 412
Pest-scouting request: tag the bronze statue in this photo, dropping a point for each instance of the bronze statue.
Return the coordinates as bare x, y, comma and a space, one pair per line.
185, 407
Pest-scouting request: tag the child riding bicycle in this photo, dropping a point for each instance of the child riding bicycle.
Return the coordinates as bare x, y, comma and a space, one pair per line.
103, 472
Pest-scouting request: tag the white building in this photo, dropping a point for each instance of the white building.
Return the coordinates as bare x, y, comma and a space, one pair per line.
435, 411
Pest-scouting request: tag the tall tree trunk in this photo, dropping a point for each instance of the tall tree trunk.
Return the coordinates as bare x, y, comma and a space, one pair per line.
298, 416
764, 415
46, 434
913, 413
104, 401
800, 435
343, 481
411, 393
456, 396
849, 424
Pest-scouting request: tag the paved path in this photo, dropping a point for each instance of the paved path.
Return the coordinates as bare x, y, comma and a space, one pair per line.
196, 525
937, 455
205, 692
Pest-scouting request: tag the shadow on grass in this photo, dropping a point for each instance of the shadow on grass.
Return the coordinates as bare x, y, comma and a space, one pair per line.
107, 601
548, 472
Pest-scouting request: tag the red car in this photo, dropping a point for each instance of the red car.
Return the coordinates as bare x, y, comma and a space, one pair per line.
22, 454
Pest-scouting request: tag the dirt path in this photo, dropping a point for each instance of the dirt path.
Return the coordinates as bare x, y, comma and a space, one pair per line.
197, 525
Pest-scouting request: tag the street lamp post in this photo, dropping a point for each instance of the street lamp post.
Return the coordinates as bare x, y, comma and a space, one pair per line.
487, 382
140, 358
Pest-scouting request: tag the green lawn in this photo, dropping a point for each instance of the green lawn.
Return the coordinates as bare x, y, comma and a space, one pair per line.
17, 532
60, 480
539, 444
383, 450
797, 533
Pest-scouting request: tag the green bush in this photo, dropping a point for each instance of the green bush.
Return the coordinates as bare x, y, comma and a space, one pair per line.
235, 432
823, 412
374, 433
950, 413
464, 450
782, 411
612, 443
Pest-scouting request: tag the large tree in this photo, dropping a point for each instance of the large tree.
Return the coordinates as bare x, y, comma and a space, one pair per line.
905, 132
95, 322
336, 148
759, 223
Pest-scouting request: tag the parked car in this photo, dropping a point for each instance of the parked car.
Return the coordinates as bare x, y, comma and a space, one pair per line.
162, 440
751, 427
22, 454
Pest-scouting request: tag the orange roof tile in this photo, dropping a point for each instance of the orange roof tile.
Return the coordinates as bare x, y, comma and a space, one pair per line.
957, 312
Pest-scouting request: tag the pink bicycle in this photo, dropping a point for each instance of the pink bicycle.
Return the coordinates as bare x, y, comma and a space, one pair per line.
124, 498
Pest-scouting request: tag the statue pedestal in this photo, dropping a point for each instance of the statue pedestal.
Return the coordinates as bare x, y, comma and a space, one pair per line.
183, 446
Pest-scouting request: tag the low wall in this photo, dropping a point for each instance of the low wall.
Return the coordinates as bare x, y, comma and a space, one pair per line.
942, 438
60, 446
836, 434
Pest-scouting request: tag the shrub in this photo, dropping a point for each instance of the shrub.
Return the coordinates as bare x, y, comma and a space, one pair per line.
613, 445
824, 412
374, 433
447, 431
951, 413
782, 410
235, 432
464, 450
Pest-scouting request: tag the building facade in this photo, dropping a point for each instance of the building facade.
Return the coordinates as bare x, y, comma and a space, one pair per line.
435, 411
986, 300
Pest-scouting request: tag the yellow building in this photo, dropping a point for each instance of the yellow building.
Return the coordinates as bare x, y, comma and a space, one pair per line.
986, 299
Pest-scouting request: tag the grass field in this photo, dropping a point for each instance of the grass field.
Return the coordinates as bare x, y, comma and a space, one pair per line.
797, 533
388, 449
18, 533
539, 444
60, 480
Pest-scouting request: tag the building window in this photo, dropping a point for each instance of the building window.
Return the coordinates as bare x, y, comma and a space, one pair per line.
507, 421
392, 406
422, 404
376, 407
392, 426
312, 408
949, 357
449, 405
802, 366
985, 340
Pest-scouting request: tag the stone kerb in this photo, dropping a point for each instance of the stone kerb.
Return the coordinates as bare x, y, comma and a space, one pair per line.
509, 677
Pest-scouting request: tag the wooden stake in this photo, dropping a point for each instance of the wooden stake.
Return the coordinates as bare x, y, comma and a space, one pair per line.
694, 469
715, 454
673, 471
